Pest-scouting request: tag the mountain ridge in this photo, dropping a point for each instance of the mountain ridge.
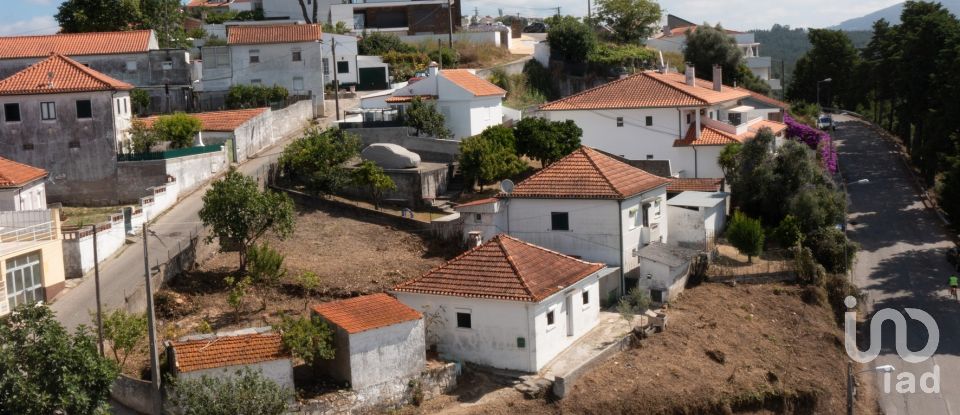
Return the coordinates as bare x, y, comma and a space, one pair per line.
891, 14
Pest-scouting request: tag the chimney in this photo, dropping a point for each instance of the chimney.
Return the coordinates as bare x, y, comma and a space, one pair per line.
691, 75
433, 69
717, 78
474, 239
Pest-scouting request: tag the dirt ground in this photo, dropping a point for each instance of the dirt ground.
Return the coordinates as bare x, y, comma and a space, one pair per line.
85, 216
726, 350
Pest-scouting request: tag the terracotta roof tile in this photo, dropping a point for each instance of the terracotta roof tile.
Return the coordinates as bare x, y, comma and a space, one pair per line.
695, 184
710, 136
587, 174
283, 33
13, 174
68, 76
367, 312
776, 127
208, 3
764, 98
220, 121
476, 85
75, 44
408, 98
503, 268
228, 351
478, 202
648, 89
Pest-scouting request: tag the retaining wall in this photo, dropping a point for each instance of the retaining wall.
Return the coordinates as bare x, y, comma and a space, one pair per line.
136, 394
291, 119
429, 149
136, 178
562, 384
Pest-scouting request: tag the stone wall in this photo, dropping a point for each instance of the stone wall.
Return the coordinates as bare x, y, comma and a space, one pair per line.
415, 187
136, 394
429, 149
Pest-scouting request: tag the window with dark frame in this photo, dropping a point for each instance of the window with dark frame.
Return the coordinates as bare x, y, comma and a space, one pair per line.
84, 109
343, 67
586, 297
297, 56
619, 121
464, 320
688, 118
48, 111
550, 318
649, 120
559, 221
254, 56
11, 112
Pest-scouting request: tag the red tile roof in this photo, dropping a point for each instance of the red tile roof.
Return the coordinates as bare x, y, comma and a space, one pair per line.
775, 126
367, 312
695, 184
67, 76
474, 84
220, 121
710, 136
208, 3
282, 33
478, 202
13, 174
503, 268
648, 89
587, 174
224, 351
75, 44
764, 98
408, 98
682, 30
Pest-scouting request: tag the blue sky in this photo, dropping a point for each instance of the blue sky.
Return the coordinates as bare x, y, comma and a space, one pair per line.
36, 16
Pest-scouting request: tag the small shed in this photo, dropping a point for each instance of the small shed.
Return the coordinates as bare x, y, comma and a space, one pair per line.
664, 270
377, 340
21, 186
223, 354
696, 218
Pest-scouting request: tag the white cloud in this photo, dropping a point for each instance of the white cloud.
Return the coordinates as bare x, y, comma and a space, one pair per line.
34, 26
41, 2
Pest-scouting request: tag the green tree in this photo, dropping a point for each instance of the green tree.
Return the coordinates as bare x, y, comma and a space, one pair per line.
948, 188
637, 301
317, 159
378, 44
245, 393
308, 281
631, 20
339, 29
179, 129
141, 137
425, 118
545, 140
832, 56
76, 16
141, 100
165, 18
308, 338
255, 96
126, 333
47, 370
729, 161
238, 214
490, 156
239, 288
832, 249
570, 39
707, 46
788, 232
369, 175
746, 235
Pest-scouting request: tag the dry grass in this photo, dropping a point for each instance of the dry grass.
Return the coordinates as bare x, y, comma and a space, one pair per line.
482, 55
85, 216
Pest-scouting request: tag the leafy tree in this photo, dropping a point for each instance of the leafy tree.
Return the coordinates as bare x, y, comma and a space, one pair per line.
308, 281
490, 156
425, 118
47, 370
316, 159
368, 174
255, 96
245, 393
141, 137
445, 56
746, 235
729, 161
547, 141
179, 129
948, 188
570, 39
165, 18
126, 333
238, 214
630, 20
237, 295
308, 338
339, 29
378, 44
832, 56
788, 232
76, 16
817, 207
747, 79
707, 46
140, 99
832, 249
539, 79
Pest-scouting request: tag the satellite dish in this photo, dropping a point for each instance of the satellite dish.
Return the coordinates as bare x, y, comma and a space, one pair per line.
506, 186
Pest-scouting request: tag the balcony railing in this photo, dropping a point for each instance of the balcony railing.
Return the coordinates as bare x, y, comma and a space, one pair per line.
39, 232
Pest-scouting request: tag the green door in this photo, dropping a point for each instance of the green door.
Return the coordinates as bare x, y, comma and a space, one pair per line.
372, 79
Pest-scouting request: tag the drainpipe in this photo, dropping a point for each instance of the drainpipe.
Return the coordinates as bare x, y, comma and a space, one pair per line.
623, 279
531, 337
695, 164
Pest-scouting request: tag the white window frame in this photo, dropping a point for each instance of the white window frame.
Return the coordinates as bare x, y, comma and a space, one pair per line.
634, 218
326, 66
48, 111
16, 285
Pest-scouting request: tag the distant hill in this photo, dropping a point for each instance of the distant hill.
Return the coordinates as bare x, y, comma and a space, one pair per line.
786, 44
892, 14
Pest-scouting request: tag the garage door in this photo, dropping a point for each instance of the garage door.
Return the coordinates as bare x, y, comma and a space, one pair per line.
372, 79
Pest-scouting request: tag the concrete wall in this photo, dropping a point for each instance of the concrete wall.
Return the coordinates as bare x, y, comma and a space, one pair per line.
78, 246
472, 37
279, 371
51, 259
670, 280
276, 66
415, 187
135, 394
688, 226
541, 52
429, 149
387, 354
135, 178
31, 196
291, 119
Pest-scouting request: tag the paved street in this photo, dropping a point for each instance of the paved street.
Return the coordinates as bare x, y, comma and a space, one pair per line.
902, 263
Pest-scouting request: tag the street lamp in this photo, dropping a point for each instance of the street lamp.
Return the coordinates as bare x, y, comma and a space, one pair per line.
851, 375
818, 89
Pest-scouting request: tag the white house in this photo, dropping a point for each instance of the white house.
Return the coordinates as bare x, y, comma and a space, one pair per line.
588, 205
665, 116
696, 218
21, 186
378, 340
507, 303
223, 354
468, 102
352, 69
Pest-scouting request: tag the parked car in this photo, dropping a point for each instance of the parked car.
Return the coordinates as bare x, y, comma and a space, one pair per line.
825, 122
537, 27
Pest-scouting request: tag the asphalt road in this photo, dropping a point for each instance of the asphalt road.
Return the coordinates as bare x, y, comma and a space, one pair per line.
902, 264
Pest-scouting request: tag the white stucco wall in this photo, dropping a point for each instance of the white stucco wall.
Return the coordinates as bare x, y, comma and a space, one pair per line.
572, 319
32, 196
279, 371
387, 354
688, 226
346, 52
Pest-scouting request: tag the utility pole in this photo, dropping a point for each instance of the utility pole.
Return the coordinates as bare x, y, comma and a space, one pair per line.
96, 279
336, 82
558, 11
589, 11
450, 21
151, 324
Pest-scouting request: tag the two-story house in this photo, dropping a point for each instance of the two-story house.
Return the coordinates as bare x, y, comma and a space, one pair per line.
288, 55
405, 17
133, 57
661, 115
70, 120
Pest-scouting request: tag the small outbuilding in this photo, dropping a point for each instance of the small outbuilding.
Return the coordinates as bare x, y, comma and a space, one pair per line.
696, 218
378, 340
223, 354
21, 186
664, 270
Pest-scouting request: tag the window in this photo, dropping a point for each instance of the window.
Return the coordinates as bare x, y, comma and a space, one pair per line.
688, 118
521, 342
131, 66
48, 111
166, 65
254, 55
24, 280
84, 110
586, 297
559, 221
550, 318
477, 218
645, 210
634, 215
298, 83
11, 112
619, 121
649, 156
343, 67
125, 109
649, 120
255, 81
297, 56
656, 208
326, 66
463, 320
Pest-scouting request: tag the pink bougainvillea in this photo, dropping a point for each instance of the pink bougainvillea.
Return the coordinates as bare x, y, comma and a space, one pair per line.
814, 138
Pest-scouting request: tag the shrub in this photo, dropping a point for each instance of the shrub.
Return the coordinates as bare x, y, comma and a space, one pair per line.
570, 39
379, 44
142, 138
140, 100
405, 65
832, 249
372, 177
788, 232
255, 96
425, 118
316, 159
636, 301
448, 58
539, 79
308, 338
179, 129
125, 332
814, 295
490, 156
245, 393
746, 235
809, 271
